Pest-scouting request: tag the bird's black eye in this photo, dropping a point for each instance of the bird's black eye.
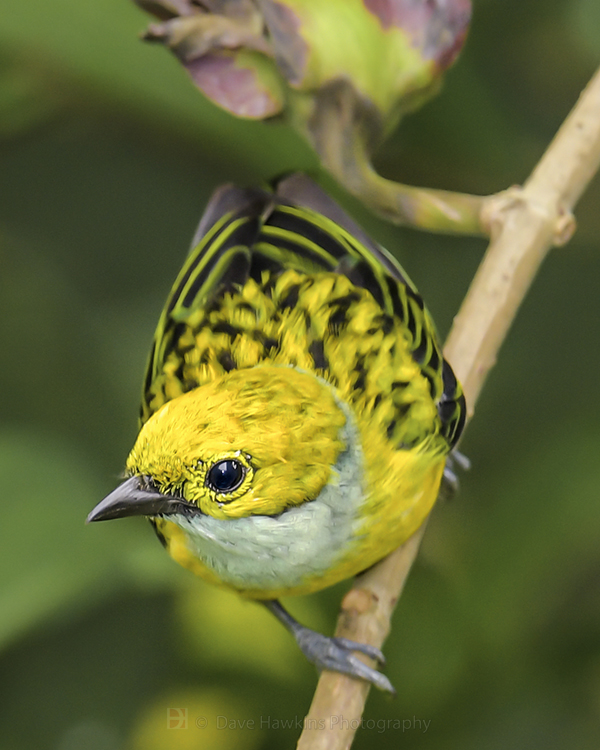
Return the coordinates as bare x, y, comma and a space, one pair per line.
226, 476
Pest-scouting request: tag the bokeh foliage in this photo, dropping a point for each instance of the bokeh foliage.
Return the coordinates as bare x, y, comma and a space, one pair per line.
107, 155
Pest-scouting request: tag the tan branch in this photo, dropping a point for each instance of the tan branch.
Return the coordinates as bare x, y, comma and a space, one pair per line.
524, 224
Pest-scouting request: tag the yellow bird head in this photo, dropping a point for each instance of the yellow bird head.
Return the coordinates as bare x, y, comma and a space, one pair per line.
256, 441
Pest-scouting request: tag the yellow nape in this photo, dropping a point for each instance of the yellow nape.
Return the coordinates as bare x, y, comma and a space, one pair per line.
281, 424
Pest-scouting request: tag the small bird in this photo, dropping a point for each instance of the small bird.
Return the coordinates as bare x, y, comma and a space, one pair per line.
297, 411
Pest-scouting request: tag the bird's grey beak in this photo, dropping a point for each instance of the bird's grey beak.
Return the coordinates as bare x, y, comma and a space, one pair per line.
132, 499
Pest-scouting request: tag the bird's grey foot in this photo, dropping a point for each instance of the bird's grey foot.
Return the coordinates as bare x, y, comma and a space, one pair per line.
335, 654
451, 483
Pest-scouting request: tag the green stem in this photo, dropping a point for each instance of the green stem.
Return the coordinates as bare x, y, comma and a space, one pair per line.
422, 208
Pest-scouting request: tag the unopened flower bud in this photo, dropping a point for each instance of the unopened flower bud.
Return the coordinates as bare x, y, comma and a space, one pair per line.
342, 72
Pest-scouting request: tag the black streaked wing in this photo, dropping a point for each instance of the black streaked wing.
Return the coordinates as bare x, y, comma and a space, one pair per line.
229, 199
245, 232
371, 267
221, 257
299, 190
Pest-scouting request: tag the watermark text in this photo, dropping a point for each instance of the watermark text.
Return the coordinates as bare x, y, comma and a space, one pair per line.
177, 718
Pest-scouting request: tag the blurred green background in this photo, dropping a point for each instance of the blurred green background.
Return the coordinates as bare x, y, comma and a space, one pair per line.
107, 156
